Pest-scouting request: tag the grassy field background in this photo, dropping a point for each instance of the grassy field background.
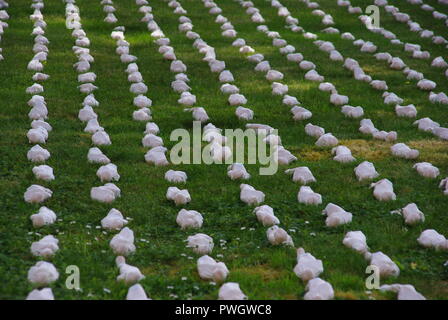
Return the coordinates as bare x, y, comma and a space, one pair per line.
263, 271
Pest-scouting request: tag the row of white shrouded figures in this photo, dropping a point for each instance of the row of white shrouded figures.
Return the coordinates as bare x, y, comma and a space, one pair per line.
42, 272
46, 271
307, 194
3, 24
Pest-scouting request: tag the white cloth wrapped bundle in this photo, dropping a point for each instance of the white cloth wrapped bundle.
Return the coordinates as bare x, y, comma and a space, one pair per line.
189, 219
356, 240
229, 88
135, 77
391, 98
101, 138
263, 66
300, 113
366, 170
42, 273
43, 172
301, 174
87, 77
408, 111
278, 236
37, 135
425, 84
412, 215
41, 123
426, 124
284, 156
128, 274
427, 170
318, 289
95, 155
307, 196
178, 196
251, 196
307, 65
187, 99
123, 243
93, 126
244, 113
237, 171
403, 151
209, 269
404, 291
231, 291
444, 185
313, 75
87, 113
138, 88
38, 154
106, 194
91, 101
199, 114
237, 99
37, 194
108, 172
342, 154
279, 88
274, 75
176, 176
430, 238
152, 127
200, 243
327, 140
143, 114
386, 266
383, 190
40, 76
307, 267
314, 130
338, 99
226, 76
180, 86
157, 156
265, 215
45, 247
142, 101
41, 294
44, 217
136, 292
114, 220
178, 66
336, 215
151, 140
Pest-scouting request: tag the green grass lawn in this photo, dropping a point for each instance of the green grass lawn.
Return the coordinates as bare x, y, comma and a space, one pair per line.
262, 270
